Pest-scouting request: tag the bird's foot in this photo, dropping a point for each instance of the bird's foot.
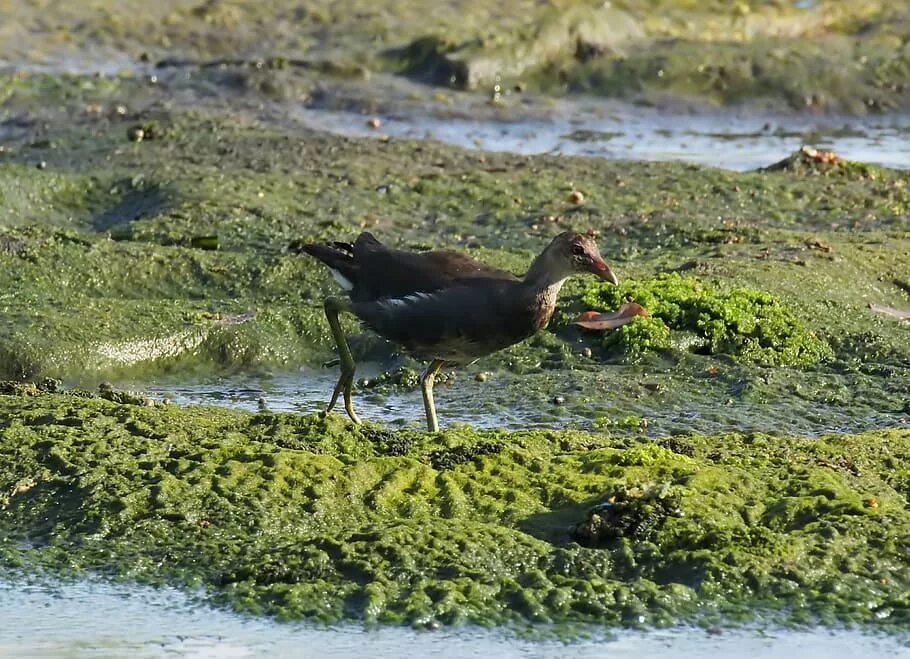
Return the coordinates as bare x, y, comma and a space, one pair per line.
343, 388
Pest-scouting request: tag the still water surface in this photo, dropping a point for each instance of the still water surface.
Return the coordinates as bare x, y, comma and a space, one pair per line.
94, 619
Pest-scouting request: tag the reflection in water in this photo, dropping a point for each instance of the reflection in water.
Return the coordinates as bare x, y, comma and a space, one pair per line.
99, 620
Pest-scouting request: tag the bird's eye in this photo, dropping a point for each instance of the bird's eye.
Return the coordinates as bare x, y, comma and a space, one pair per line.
578, 250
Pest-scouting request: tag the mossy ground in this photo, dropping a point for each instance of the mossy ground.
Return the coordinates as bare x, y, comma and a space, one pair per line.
747, 324
105, 275
299, 516
109, 225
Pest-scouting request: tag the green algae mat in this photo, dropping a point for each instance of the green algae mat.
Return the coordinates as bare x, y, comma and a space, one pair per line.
300, 516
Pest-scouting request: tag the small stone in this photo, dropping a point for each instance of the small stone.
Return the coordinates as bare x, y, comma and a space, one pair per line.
136, 134
558, 400
575, 197
51, 385
105, 386
120, 110
41, 165
374, 122
586, 353
483, 376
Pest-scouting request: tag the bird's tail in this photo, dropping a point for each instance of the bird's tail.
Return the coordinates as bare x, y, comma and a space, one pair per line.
337, 256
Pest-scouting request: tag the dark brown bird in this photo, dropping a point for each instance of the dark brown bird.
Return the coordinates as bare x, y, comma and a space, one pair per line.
445, 306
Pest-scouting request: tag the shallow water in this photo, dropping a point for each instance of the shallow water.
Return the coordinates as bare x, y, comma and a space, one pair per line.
615, 131
95, 619
508, 401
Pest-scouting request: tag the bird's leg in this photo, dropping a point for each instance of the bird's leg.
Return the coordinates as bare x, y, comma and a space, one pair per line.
426, 386
333, 306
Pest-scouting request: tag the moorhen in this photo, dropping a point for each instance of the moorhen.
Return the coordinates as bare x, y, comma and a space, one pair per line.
442, 305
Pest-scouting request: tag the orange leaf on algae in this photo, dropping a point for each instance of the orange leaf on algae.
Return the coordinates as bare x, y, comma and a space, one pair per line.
593, 320
827, 157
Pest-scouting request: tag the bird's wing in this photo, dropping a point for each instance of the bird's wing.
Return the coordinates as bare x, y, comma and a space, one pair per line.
461, 322
370, 270
458, 266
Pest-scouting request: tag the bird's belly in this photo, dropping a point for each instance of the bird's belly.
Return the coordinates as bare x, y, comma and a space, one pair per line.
451, 349
462, 349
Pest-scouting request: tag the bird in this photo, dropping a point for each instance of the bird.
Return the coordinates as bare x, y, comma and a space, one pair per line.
444, 306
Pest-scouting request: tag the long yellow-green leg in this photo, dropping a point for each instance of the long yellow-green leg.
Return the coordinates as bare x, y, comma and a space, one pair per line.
426, 386
334, 306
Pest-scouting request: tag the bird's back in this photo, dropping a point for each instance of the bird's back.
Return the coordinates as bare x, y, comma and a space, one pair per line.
369, 270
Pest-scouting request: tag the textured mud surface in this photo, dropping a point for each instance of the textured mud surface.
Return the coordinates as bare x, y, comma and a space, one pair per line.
108, 269
300, 516
823, 55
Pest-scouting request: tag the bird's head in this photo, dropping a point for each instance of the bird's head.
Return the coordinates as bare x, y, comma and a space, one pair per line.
577, 253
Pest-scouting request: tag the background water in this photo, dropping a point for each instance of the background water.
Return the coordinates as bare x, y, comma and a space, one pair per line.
99, 620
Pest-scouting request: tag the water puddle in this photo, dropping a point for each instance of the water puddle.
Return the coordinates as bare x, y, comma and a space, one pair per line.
614, 399
727, 140
308, 391
95, 619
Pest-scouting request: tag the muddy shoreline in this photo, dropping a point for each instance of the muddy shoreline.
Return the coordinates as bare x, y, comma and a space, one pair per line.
820, 56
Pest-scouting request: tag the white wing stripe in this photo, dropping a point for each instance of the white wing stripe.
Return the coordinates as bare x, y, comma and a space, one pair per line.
343, 281
415, 298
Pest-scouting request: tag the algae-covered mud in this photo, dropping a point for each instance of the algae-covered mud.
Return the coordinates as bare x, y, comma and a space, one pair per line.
303, 516
739, 453
109, 269
818, 55
129, 258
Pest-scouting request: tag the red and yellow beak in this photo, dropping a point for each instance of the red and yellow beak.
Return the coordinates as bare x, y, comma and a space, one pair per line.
602, 270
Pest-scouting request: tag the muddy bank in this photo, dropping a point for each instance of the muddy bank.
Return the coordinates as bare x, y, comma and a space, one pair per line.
814, 56
297, 516
108, 241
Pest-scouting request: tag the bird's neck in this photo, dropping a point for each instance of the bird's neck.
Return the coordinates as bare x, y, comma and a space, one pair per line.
542, 283
543, 276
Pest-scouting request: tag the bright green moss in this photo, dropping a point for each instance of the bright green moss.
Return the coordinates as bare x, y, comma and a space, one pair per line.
750, 325
304, 517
